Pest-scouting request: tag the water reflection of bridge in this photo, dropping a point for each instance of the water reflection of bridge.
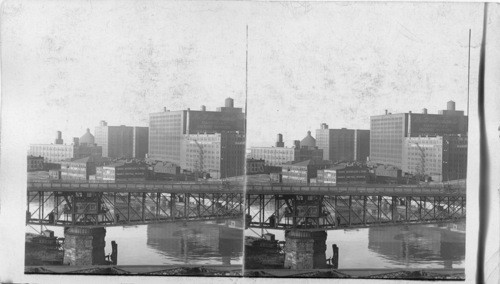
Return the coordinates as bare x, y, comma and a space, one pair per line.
418, 244
197, 241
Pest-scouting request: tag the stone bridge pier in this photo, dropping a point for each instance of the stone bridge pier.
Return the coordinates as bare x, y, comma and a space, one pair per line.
84, 246
305, 249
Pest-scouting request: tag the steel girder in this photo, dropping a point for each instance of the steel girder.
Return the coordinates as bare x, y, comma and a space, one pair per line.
103, 209
330, 212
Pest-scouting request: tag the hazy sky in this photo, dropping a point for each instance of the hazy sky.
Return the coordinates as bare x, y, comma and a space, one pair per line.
69, 64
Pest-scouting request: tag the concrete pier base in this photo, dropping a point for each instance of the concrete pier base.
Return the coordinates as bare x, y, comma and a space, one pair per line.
305, 250
319, 248
84, 246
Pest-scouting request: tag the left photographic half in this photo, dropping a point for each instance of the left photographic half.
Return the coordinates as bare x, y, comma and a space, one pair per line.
135, 137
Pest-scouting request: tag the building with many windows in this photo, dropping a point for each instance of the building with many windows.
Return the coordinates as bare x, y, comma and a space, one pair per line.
387, 132
279, 155
54, 153
302, 172
442, 158
35, 163
221, 155
121, 171
343, 174
343, 144
167, 128
274, 156
122, 141
79, 169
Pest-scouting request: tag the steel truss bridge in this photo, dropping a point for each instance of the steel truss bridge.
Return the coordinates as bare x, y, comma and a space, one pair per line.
315, 208
74, 204
267, 206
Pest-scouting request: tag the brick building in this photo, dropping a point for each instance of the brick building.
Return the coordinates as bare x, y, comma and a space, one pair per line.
302, 172
122, 141
343, 144
35, 163
255, 166
121, 171
343, 174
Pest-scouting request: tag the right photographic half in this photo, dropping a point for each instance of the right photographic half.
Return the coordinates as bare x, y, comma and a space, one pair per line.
357, 139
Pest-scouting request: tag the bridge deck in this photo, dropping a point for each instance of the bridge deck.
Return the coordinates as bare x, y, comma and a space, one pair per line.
252, 188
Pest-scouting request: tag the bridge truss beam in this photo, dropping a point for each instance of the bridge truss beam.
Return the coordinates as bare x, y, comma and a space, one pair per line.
330, 212
104, 209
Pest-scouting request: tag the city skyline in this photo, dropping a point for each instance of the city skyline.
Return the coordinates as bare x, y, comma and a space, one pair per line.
77, 82
358, 112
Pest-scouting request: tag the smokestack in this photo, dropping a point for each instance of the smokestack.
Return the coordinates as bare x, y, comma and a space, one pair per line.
203, 108
296, 144
229, 103
59, 139
279, 141
450, 105
164, 109
386, 112
324, 126
424, 111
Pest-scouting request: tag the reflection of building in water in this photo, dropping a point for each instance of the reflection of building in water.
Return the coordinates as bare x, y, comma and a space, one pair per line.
412, 244
196, 241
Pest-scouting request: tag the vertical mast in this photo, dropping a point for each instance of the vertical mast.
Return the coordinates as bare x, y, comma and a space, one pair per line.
468, 76
246, 83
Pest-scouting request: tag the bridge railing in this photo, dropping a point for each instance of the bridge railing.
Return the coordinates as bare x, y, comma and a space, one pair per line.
251, 188
171, 187
350, 190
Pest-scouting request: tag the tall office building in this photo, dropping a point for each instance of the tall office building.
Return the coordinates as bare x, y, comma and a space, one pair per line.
361, 145
220, 154
122, 141
442, 158
387, 132
343, 144
140, 142
167, 128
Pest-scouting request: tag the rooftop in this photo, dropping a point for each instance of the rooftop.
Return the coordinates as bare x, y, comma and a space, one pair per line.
309, 163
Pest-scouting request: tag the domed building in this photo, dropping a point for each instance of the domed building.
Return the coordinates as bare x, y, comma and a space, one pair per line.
87, 139
57, 152
309, 142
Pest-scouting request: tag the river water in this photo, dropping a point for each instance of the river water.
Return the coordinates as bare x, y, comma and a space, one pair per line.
414, 246
191, 243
